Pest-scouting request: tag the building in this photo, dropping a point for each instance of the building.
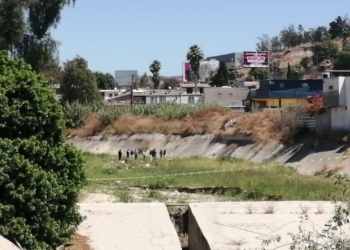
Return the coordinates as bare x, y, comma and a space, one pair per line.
226, 96
110, 93
182, 95
232, 59
336, 100
284, 93
124, 78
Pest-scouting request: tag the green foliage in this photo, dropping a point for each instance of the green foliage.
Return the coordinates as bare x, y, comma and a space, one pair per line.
324, 50
305, 62
258, 74
342, 62
155, 67
221, 77
170, 82
79, 83
144, 81
289, 72
40, 175
195, 55
105, 81
75, 114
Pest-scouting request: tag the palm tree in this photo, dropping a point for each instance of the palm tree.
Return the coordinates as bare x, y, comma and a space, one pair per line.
195, 55
155, 68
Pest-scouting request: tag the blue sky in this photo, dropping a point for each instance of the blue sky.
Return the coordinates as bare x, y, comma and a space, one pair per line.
130, 34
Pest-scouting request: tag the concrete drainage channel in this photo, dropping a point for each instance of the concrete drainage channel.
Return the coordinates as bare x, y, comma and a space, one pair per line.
178, 214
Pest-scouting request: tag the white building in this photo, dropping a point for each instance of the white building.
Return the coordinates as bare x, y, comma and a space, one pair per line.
336, 117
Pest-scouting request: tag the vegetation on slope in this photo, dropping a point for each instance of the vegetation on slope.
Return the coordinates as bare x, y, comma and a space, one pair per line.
259, 181
175, 119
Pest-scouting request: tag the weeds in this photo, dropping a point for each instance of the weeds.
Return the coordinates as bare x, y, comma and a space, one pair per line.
250, 209
304, 209
320, 209
269, 208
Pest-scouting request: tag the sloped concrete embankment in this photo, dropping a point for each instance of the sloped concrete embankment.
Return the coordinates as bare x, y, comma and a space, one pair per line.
308, 156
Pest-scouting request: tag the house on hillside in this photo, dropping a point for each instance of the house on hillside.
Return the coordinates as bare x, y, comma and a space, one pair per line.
336, 101
226, 96
284, 93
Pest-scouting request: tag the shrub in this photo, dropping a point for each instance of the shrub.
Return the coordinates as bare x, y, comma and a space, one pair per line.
75, 114
40, 175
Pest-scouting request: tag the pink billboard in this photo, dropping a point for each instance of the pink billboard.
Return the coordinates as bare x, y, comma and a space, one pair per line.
186, 74
253, 59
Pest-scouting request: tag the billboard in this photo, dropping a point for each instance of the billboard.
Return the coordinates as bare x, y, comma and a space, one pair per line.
205, 67
254, 59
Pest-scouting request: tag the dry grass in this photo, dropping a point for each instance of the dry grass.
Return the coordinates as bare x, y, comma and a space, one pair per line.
269, 208
250, 209
262, 126
304, 209
144, 145
78, 242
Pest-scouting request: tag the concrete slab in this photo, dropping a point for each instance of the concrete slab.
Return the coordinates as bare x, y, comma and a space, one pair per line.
133, 226
229, 225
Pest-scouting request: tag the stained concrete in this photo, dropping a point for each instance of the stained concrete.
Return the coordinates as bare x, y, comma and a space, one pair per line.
308, 156
133, 226
229, 225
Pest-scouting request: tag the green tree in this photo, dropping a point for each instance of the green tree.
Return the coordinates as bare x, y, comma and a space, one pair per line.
41, 175
233, 76
170, 82
155, 67
78, 82
221, 77
327, 49
305, 62
259, 74
25, 29
342, 62
144, 81
340, 27
289, 72
194, 56
105, 81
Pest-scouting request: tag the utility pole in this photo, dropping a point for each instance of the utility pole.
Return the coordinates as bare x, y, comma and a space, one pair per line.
132, 90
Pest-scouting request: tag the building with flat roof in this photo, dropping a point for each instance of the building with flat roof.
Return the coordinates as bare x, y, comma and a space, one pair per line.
231, 59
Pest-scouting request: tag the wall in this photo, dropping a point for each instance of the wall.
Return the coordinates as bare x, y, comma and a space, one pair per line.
340, 119
323, 123
225, 96
196, 239
284, 102
178, 99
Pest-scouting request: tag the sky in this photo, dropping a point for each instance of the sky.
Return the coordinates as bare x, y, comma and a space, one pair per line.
128, 35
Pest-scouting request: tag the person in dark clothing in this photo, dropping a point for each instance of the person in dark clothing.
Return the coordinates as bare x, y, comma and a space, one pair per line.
164, 152
120, 155
154, 153
135, 154
131, 153
127, 153
161, 153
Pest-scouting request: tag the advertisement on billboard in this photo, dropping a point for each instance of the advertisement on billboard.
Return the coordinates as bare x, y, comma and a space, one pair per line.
205, 68
253, 59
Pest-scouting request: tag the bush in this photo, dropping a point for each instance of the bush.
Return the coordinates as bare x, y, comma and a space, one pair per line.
40, 175
75, 114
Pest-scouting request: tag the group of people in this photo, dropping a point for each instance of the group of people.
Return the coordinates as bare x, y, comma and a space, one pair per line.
135, 153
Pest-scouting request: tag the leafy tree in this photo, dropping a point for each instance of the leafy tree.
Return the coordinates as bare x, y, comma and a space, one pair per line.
289, 72
41, 174
305, 62
25, 29
144, 81
259, 74
340, 27
233, 76
276, 44
170, 82
221, 77
320, 34
195, 55
105, 80
297, 72
289, 37
155, 68
275, 69
78, 82
342, 62
327, 49
264, 43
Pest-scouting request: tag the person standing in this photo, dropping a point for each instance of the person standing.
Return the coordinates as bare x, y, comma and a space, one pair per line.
135, 154
161, 154
131, 153
127, 153
164, 152
120, 154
